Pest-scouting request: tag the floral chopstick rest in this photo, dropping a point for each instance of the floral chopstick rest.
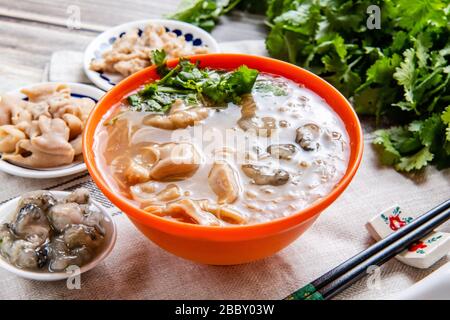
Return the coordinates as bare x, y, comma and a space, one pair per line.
422, 254
387, 222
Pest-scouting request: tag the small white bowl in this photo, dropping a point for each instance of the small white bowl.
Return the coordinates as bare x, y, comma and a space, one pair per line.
6, 214
78, 90
105, 40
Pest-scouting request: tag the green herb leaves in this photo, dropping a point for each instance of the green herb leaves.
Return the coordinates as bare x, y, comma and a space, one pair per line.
203, 13
413, 146
188, 82
399, 73
206, 13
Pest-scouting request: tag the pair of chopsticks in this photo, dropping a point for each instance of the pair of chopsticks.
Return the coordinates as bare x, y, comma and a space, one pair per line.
345, 274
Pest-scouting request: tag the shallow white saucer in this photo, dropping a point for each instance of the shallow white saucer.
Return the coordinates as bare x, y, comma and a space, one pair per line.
6, 214
78, 90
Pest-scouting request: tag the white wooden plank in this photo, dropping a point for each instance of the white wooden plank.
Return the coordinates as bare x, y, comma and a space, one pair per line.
26, 48
101, 14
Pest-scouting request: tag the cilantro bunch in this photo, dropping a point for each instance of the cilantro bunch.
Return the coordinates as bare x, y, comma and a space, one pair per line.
205, 13
399, 74
188, 82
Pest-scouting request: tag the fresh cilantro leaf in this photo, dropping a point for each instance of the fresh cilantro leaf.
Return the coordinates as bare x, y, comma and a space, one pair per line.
430, 130
158, 57
187, 82
388, 153
445, 117
415, 15
242, 80
383, 69
341, 74
203, 13
405, 141
416, 161
405, 74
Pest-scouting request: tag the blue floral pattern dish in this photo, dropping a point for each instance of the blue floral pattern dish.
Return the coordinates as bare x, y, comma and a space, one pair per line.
78, 90
196, 36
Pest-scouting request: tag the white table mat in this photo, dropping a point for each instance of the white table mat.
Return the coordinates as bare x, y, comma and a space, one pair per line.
138, 269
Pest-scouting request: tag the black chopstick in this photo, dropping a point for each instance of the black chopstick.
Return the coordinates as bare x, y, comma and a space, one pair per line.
353, 269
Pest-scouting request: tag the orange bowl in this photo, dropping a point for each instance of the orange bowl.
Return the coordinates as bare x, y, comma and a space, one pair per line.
234, 244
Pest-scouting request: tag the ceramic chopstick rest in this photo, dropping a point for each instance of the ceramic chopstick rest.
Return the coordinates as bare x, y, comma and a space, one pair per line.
387, 222
424, 253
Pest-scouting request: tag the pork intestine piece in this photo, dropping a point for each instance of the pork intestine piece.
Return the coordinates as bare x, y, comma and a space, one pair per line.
50, 149
134, 167
179, 117
175, 161
128, 67
28, 156
21, 117
32, 129
224, 213
185, 210
249, 121
38, 109
79, 107
74, 124
119, 136
146, 193
170, 161
5, 111
9, 137
10, 106
198, 212
54, 136
47, 91
223, 181
77, 145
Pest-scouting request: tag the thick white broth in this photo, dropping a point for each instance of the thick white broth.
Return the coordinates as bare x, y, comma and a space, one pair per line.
312, 174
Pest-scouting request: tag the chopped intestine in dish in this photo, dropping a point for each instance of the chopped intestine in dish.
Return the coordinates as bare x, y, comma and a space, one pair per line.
45, 130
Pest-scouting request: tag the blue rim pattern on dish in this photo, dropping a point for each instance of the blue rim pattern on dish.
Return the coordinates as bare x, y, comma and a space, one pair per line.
189, 37
75, 95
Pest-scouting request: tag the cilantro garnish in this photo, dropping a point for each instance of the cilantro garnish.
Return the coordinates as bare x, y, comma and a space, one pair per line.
192, 84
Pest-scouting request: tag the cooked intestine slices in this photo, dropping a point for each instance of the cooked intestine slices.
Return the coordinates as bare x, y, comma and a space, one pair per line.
44, 131
131, 52
265, 158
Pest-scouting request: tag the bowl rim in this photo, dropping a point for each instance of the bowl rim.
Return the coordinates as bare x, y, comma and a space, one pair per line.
56, 172
229, 233
55, 276
90, 48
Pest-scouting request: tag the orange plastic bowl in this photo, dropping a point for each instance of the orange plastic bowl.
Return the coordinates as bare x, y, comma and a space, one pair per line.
237, 244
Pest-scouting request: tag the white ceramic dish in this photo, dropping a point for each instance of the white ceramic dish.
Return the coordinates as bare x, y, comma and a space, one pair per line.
436, 286
105, 40
6, 213
78, 90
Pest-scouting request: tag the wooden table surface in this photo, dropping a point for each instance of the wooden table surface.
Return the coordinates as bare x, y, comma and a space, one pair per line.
31, 30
